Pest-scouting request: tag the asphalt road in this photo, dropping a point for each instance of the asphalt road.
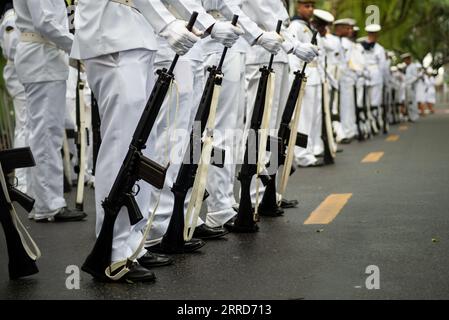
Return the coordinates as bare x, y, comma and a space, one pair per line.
396, 220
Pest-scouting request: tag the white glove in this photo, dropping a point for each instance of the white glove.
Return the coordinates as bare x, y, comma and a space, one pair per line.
179, 38
306, 51
226, 33
270, 41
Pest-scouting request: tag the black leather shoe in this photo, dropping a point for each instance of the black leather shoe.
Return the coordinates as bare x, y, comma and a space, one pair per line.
346, 141
151, 260
64, 215
67, 215
289, 204
187, 247
273, 212
235, 228
136, 273
205, 232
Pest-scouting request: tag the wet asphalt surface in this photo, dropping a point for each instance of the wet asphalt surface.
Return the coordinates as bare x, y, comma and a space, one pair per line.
397, 220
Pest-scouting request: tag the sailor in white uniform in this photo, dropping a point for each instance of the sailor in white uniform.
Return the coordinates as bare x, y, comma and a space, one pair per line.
375, 61
42, 65
116, 40
9, 38
412, 76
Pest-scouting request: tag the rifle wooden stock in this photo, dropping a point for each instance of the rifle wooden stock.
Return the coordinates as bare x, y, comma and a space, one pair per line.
121, 193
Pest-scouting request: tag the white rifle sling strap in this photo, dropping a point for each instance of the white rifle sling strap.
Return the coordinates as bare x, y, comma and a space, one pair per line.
118, 269
199, 186
82, 139
294, 124
328, 119
263, 137
28, 243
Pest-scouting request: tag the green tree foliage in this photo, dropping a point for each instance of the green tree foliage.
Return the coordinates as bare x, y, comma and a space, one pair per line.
415, 26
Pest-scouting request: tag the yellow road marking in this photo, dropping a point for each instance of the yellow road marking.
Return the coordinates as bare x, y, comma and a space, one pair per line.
328, 210
373, 157
392, 138
403, 128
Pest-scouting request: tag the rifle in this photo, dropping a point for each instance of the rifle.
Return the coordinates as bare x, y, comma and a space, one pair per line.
135, 167
22, 259
247, 218
358, 115
81, 139
176, 236
96, 133
371, 122
287, 139
327, 133
386, 109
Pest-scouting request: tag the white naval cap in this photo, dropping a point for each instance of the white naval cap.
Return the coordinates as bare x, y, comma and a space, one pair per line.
372, 28
405, 56
346, 22
394, 69
356, 28
430, 70
323, 15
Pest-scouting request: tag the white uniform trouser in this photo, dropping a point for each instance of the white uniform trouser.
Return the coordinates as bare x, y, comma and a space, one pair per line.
122, 83
46, 105
347, 109
190, 79
311, 107
412, 103
220, 183
376, 100
21, 136
317, 126
280, 96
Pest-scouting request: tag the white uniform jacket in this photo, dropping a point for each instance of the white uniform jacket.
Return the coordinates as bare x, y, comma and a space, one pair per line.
38, 62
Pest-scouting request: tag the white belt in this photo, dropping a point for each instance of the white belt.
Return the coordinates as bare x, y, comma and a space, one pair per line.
129, 3
35, 38
217, 15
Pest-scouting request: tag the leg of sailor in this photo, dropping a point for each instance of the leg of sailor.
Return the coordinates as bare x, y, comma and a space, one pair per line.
220, 181
122, 83
172, 143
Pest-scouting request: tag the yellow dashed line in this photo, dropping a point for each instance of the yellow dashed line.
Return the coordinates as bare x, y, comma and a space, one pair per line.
392, 138
403, 128
328, 210
373, 157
